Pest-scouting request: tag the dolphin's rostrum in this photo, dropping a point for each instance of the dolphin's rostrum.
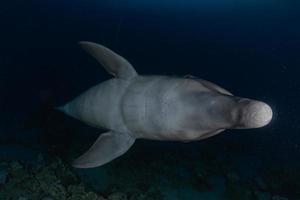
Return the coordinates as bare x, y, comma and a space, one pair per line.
132, 106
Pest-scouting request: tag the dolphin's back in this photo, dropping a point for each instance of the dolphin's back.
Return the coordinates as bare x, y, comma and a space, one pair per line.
149, 106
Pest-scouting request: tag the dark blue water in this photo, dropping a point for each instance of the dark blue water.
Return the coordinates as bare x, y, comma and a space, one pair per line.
249, 47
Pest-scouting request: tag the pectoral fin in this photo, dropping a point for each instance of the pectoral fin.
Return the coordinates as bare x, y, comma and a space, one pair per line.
107, 147
112, 62
210, 85
215, 87
210, 134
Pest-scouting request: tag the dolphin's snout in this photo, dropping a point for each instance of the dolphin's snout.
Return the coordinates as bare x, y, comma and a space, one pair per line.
256, 114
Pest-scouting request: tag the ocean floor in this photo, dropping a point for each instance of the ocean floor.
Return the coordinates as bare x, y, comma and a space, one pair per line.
143, 174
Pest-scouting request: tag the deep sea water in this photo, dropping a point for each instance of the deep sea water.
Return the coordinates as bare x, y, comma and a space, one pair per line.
251, 48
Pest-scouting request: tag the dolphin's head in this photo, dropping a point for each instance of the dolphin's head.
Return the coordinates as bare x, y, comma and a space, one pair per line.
204, 108
252, 114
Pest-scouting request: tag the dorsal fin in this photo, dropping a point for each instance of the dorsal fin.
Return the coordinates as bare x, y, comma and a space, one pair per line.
112, 62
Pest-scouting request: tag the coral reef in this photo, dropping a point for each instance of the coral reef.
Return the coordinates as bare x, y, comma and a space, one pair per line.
3, 175
283, 181
275, 184
54, 181
169, 177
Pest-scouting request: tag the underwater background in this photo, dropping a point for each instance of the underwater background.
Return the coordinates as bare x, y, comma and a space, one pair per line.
249, 47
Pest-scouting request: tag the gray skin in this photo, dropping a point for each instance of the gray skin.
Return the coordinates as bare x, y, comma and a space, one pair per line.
131, 106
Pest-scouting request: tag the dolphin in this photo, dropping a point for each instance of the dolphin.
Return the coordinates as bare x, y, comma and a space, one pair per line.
132, 106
